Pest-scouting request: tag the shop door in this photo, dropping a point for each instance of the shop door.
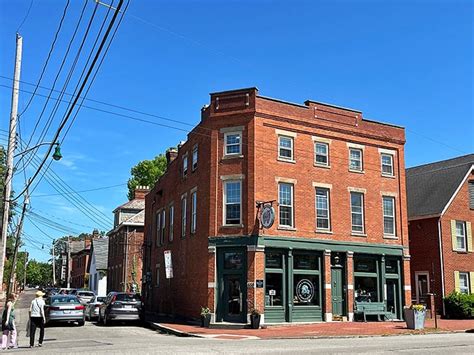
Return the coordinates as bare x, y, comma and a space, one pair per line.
233, 298
337, 291
393, 304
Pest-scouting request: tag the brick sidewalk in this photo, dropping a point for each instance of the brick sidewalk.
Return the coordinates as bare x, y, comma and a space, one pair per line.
332, 329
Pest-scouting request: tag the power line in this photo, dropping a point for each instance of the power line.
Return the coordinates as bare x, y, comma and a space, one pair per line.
81, 191
24, 18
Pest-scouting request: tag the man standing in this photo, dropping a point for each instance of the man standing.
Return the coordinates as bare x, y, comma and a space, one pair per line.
37, 318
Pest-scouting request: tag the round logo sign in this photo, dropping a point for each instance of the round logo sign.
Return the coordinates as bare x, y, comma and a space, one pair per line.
305, 290
268, 216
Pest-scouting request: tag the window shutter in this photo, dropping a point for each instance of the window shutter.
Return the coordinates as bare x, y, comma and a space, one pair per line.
471, 194
453, 234
456, 281
469, 236
471, 282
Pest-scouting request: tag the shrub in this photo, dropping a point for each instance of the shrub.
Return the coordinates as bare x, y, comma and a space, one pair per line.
459, 305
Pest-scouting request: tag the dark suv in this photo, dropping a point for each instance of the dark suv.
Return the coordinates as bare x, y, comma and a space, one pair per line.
120, 306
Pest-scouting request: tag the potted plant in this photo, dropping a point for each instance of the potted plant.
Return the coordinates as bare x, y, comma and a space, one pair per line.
255, 319
205, 317
415, 316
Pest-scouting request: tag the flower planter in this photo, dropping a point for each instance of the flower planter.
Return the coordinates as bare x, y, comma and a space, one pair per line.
414, 319
205, 320
255, 321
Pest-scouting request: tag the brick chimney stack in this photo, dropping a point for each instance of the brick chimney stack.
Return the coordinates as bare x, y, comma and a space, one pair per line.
140, 192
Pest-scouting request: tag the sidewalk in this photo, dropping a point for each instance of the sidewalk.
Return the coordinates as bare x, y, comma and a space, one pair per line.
317, 330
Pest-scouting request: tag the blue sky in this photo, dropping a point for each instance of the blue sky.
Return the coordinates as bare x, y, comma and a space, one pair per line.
408, 63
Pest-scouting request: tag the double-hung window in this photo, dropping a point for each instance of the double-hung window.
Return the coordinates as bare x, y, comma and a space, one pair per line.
285, 202
355, 159
158, 227
171, 219
387, 164
464, 282
285, 148
183, 215
322, 209
233, 143
163, 226
232, 202
193, 211
388, 203
321, 152
185, 165
195, 158
357, 212
461, 235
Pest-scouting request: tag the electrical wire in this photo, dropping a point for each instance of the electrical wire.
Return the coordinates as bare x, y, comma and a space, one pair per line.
26, 16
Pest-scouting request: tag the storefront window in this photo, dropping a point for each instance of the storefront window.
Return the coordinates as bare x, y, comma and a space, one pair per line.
233, 261
273, 260
273, 289
306, 290
366, 289
364, 264
306, 262
391, 266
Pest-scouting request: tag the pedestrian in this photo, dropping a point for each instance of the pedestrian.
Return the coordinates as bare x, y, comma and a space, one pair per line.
8, 324
37, 319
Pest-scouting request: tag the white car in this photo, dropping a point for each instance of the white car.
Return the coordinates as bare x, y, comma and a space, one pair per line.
85, 296
92, 308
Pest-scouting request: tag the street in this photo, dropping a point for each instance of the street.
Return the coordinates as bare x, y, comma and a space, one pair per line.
124, 339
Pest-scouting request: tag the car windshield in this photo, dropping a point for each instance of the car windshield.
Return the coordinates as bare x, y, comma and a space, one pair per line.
86, 294
72, 300
100, 299
127, 297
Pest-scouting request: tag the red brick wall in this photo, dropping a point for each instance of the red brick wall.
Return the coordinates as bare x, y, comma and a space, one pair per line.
456, 261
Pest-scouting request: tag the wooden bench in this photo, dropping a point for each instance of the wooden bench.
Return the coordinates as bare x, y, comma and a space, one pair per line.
372, 308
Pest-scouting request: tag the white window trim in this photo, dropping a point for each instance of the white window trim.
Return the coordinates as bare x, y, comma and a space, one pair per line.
224, 203
465, 236
239, 153
361, 170
286, 159
393, 164
171, 224
422, 273
193, 211
285, 226
316, 163
184, 215
388, 235
185, 159
158, 226
362, 213
163, 226
195, 149
468, 282
328, 191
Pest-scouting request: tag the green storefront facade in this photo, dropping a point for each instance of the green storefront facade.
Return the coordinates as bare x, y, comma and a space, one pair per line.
291, 279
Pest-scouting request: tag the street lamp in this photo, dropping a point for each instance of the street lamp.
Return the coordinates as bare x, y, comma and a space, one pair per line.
56, 155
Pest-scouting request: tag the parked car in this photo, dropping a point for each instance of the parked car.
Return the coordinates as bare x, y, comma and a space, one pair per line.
92, 308
121, 306
64, 308
85, 296
67, 291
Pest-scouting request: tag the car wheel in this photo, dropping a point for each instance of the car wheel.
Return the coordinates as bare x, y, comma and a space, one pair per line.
81, 323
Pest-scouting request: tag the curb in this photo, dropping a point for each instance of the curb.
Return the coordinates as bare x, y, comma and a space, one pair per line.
172, 331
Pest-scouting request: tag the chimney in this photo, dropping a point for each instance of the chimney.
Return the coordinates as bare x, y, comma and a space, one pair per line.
140, 192
171, 154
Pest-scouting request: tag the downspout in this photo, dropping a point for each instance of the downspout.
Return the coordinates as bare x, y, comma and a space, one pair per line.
440, 237
126, 262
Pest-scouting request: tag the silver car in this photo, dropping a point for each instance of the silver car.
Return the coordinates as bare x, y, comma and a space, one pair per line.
92, 308
64, 308
85, 296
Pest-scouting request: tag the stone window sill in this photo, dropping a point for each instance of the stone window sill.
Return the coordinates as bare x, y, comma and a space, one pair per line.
322, 231
291, 161
322, 166
357, 171
355, 234
390, 237
286, 228
388, 176
233, 156
232, 226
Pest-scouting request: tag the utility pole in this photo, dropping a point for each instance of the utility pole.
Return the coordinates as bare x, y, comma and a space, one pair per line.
68, 262
10, 153
11, 282
54, 267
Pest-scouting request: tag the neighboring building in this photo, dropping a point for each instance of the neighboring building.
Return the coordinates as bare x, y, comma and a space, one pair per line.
124, 271
80, 252
97, 267
337, 184
441, 213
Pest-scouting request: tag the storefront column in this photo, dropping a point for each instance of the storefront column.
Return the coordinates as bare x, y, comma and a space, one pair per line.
211, 282
350, 285
327, 286
406, 279
255, 278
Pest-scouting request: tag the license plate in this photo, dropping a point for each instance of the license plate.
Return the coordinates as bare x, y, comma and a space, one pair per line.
128, 306
67, 312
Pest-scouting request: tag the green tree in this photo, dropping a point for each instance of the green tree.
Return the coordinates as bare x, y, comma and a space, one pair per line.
146, 173
39, 273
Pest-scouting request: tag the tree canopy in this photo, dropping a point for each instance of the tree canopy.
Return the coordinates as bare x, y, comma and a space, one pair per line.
146, 173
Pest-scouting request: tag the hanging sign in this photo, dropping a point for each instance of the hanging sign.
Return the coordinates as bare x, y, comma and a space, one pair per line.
168, 265
267, 217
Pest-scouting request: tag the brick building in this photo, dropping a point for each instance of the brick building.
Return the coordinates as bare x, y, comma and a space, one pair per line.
124, 264
441, 212
80, 253
334, 182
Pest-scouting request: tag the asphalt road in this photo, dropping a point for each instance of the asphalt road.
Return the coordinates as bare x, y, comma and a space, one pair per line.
123, 339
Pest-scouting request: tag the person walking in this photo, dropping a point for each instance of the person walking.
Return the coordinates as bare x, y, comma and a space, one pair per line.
37, 318
8, 324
